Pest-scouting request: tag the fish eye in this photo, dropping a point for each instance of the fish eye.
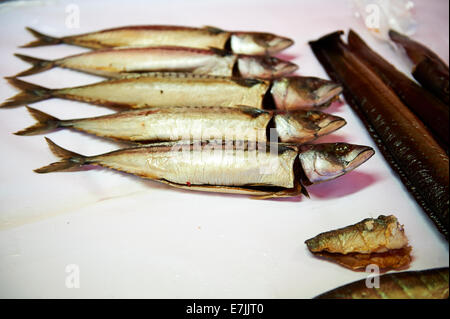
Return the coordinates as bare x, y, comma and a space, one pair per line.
312, 115
341, 148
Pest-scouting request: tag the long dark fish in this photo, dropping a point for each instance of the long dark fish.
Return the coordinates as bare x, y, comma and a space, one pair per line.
425, 284
429, 109
265, 170
405, 142
166, 89
196, 123
434, 77
429, 69
258, 43
115, 63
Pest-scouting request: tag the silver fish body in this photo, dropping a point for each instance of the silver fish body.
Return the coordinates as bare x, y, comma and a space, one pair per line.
195, 123
114, 63
186, 89
153, 90
161, 35
265, 169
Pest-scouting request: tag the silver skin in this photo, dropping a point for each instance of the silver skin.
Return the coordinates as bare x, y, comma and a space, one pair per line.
324, 162
296, 92
233, 166
170, 89
195, 123
167, 89
114, 63
258, 43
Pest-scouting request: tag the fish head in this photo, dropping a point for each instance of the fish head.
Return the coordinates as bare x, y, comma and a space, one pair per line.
258, 43
302, 126
323, 162
299, 92
264, 67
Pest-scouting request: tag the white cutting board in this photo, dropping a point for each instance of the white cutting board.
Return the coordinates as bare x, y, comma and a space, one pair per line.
99, 233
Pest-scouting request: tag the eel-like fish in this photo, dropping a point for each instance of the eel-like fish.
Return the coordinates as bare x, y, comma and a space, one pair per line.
186, 89
258, 43
433, 113
264, 170
373, 241
114, 63
425, 284
434, 77
429, 69
405, 142
196, 123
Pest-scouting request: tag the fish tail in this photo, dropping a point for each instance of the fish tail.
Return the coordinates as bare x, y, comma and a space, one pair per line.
69, 160
30, 93
38, 65
45, 123
42, 39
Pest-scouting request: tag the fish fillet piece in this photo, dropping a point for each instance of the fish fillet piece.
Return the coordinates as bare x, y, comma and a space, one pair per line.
379, 241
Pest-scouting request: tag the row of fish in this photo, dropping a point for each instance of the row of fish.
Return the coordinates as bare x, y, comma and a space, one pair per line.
205, 125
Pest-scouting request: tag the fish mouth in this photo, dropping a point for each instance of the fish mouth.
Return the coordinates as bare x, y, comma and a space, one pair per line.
328, 93
279, 44
330, 126
286, 69
361, 154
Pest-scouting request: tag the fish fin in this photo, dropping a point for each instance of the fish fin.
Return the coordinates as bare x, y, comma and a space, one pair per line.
248, 82
220, 52
45, 123
42, 39
291, 192
39, 65
242, 190
214, 30
68, 161
30, 93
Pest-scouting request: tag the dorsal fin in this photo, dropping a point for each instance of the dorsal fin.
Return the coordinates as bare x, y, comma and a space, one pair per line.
213, 29
247, 82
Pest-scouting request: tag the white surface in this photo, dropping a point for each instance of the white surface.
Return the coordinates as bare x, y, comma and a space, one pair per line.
136, 238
